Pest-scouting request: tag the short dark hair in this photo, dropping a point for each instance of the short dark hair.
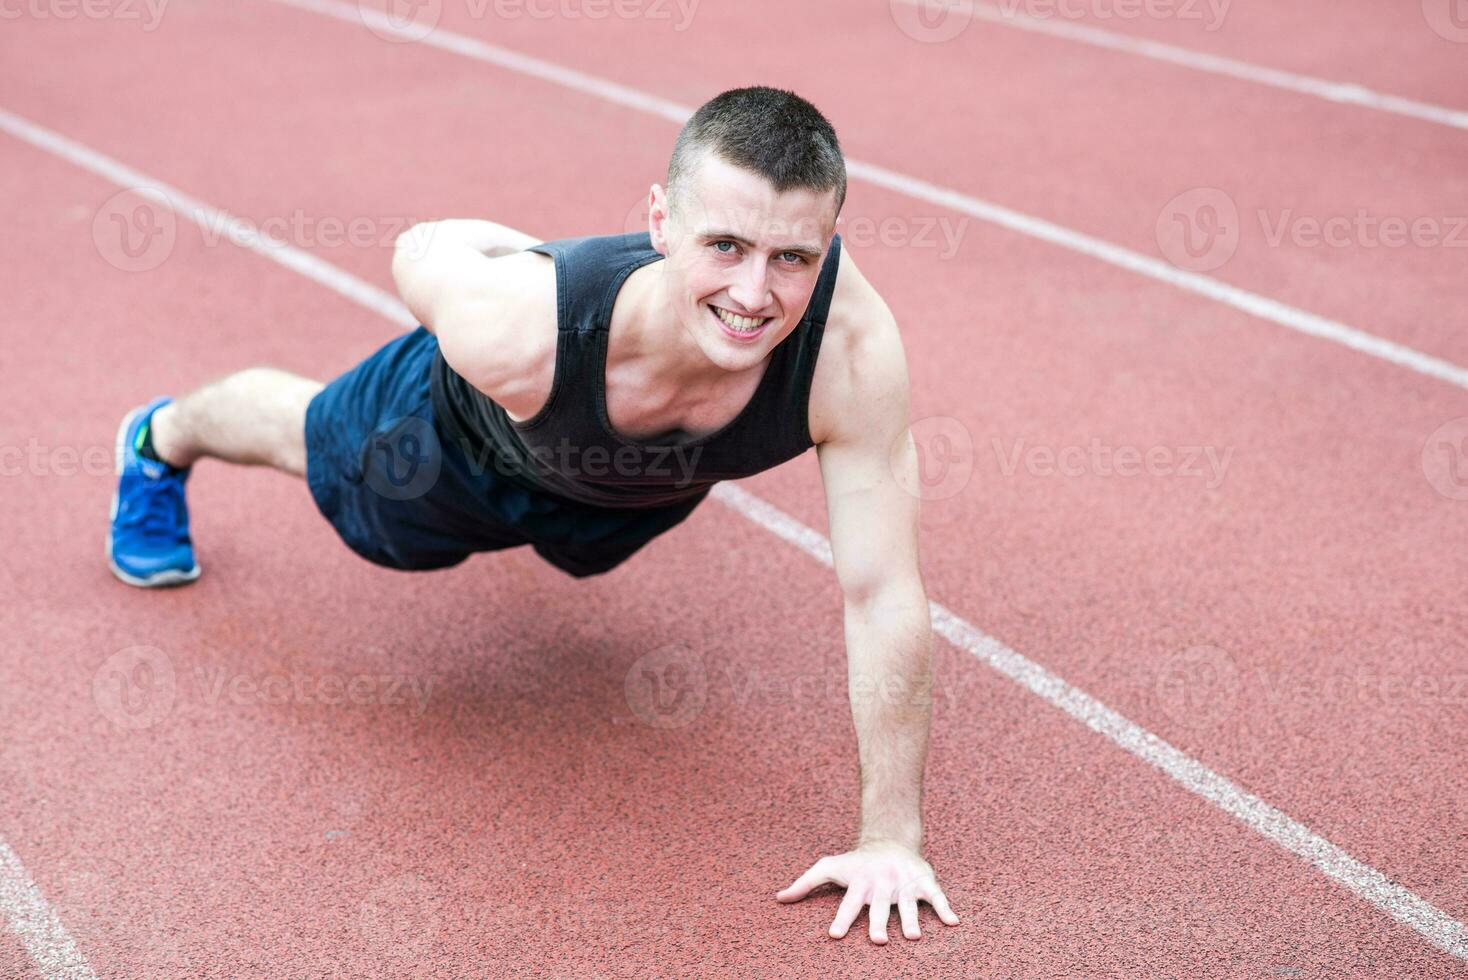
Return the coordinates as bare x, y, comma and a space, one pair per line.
769, 131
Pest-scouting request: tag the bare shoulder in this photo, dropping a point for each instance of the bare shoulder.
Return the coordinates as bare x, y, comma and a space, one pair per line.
500, 334
860, 379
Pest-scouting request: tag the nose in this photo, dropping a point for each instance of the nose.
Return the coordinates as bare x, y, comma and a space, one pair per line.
751, 288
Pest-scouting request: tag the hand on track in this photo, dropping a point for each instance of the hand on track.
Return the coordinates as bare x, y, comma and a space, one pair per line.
876, 875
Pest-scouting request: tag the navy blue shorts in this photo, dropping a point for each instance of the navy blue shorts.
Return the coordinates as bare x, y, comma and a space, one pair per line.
403, 495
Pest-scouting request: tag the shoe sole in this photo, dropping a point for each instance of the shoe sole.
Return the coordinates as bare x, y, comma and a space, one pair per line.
161, 579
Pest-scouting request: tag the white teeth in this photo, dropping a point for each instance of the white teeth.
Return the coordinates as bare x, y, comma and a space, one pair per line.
744, 324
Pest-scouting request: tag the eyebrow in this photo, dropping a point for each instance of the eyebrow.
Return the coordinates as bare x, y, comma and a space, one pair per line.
809, 251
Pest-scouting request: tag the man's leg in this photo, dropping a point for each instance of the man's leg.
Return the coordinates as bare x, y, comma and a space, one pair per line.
253, 417
256, 416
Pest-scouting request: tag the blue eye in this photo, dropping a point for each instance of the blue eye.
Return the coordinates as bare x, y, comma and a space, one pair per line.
721, 251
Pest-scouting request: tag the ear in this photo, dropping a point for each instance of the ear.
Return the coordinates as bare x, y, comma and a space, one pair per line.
657, 218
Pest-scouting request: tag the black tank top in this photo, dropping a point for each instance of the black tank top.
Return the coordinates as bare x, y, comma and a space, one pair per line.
569, 448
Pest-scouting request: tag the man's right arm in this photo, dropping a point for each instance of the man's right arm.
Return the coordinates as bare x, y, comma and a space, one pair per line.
461, 278
437, 263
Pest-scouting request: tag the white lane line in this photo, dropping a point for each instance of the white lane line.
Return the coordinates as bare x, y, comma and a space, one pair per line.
1347, 93
31, 917
213, 221
1440, 929
1253, 304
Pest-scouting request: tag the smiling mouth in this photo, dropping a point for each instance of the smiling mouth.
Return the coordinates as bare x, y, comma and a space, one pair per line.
740, 326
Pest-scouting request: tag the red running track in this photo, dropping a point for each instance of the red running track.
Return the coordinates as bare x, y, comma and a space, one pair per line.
524, 819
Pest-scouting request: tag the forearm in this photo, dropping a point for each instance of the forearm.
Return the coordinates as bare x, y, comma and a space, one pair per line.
889, 678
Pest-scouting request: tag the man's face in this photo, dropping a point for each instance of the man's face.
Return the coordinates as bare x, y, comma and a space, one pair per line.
742, 258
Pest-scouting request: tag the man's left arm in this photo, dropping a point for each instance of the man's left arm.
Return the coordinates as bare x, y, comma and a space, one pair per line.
869, 468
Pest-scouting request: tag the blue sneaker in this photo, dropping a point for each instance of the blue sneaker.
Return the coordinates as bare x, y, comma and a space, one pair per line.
149, 544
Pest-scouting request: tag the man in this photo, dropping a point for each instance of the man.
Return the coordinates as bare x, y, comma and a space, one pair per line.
582, 397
